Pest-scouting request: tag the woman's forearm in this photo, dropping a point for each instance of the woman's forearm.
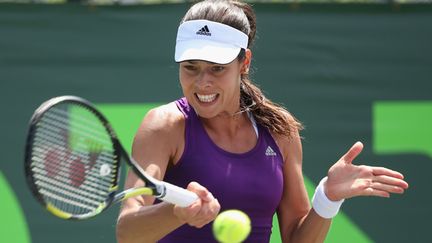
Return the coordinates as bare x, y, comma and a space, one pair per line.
313, 228
146, 224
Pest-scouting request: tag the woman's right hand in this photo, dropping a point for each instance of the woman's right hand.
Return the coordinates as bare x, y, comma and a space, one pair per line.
203, 211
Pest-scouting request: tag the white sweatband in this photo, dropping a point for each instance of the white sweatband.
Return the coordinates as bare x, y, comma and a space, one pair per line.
323, 206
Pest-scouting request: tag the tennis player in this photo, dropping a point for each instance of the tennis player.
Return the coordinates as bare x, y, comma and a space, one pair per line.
233, 147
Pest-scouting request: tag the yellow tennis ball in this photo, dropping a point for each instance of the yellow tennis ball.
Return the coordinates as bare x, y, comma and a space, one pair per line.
231, 226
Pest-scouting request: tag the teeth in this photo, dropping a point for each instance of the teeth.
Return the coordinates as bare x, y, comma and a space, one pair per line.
206, 98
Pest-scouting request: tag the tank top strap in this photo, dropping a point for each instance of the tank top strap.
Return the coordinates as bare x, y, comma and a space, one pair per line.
183, 106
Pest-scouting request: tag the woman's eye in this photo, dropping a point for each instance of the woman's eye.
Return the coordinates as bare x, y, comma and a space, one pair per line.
190, 67
217, 68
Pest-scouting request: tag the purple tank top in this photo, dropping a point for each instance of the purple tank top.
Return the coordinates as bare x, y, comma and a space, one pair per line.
251, 181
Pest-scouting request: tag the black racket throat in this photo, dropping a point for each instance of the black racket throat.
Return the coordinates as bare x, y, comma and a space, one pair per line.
155, 185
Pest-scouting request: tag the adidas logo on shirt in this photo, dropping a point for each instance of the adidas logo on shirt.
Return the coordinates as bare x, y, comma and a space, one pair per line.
204, 31
270, 152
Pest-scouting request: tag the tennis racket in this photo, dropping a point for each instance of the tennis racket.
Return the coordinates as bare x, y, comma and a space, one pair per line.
73, 158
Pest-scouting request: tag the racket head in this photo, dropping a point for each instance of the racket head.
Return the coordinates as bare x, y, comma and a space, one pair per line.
72, 158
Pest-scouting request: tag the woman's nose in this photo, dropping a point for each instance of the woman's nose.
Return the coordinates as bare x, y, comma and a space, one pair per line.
204, 79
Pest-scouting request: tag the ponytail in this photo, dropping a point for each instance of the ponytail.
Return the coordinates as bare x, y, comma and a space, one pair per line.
267, 113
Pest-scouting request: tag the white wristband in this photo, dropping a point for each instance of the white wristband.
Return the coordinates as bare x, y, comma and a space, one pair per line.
323, 206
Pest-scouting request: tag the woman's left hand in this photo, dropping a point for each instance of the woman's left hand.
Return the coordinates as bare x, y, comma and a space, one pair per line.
346, 180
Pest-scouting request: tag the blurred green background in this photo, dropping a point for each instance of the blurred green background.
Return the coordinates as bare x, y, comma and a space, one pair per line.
348, 71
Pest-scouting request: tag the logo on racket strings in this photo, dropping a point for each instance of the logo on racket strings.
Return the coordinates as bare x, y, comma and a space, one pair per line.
105, 170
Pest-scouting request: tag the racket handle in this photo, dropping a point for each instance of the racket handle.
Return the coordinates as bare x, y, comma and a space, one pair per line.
177, 195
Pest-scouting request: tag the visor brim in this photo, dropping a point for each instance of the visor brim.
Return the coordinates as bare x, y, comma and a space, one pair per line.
205, 50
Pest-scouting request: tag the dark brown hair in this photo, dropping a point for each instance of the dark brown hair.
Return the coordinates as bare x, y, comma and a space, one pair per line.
241, 16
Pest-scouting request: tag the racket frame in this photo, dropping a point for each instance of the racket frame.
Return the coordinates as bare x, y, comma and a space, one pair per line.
153, 187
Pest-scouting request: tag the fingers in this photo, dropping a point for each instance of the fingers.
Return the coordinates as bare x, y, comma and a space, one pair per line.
381, 186
207, 214
387, 172
375, 192
202, 211
201, 191
387, 188
391, 181
353, 152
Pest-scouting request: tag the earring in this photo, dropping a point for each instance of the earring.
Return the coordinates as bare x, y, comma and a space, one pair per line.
245, 71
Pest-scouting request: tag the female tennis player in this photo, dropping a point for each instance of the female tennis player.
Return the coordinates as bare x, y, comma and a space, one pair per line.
233, 147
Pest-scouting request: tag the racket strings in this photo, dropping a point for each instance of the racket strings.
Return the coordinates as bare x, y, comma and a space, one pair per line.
93, 172
62, 178
80, 125
73, 161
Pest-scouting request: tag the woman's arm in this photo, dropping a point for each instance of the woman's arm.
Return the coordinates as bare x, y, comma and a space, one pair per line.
298, 222
158, 142
301, 223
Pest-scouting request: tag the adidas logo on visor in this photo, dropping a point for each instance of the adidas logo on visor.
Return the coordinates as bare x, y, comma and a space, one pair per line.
204, 31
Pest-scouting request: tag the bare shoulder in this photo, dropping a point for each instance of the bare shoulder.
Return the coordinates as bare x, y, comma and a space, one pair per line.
160, 137
155, 145
165, 118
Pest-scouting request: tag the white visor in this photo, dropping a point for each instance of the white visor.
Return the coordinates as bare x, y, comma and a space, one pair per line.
208, 41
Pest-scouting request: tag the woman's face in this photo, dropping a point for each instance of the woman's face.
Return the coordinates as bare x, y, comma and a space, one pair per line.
212, 89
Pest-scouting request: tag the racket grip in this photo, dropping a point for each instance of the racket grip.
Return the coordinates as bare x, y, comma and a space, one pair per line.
178, 196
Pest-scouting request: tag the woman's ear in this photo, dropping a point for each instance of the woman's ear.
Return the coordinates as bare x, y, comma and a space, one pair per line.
246, 62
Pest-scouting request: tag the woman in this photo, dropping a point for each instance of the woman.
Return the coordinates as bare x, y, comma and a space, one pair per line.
233, 147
